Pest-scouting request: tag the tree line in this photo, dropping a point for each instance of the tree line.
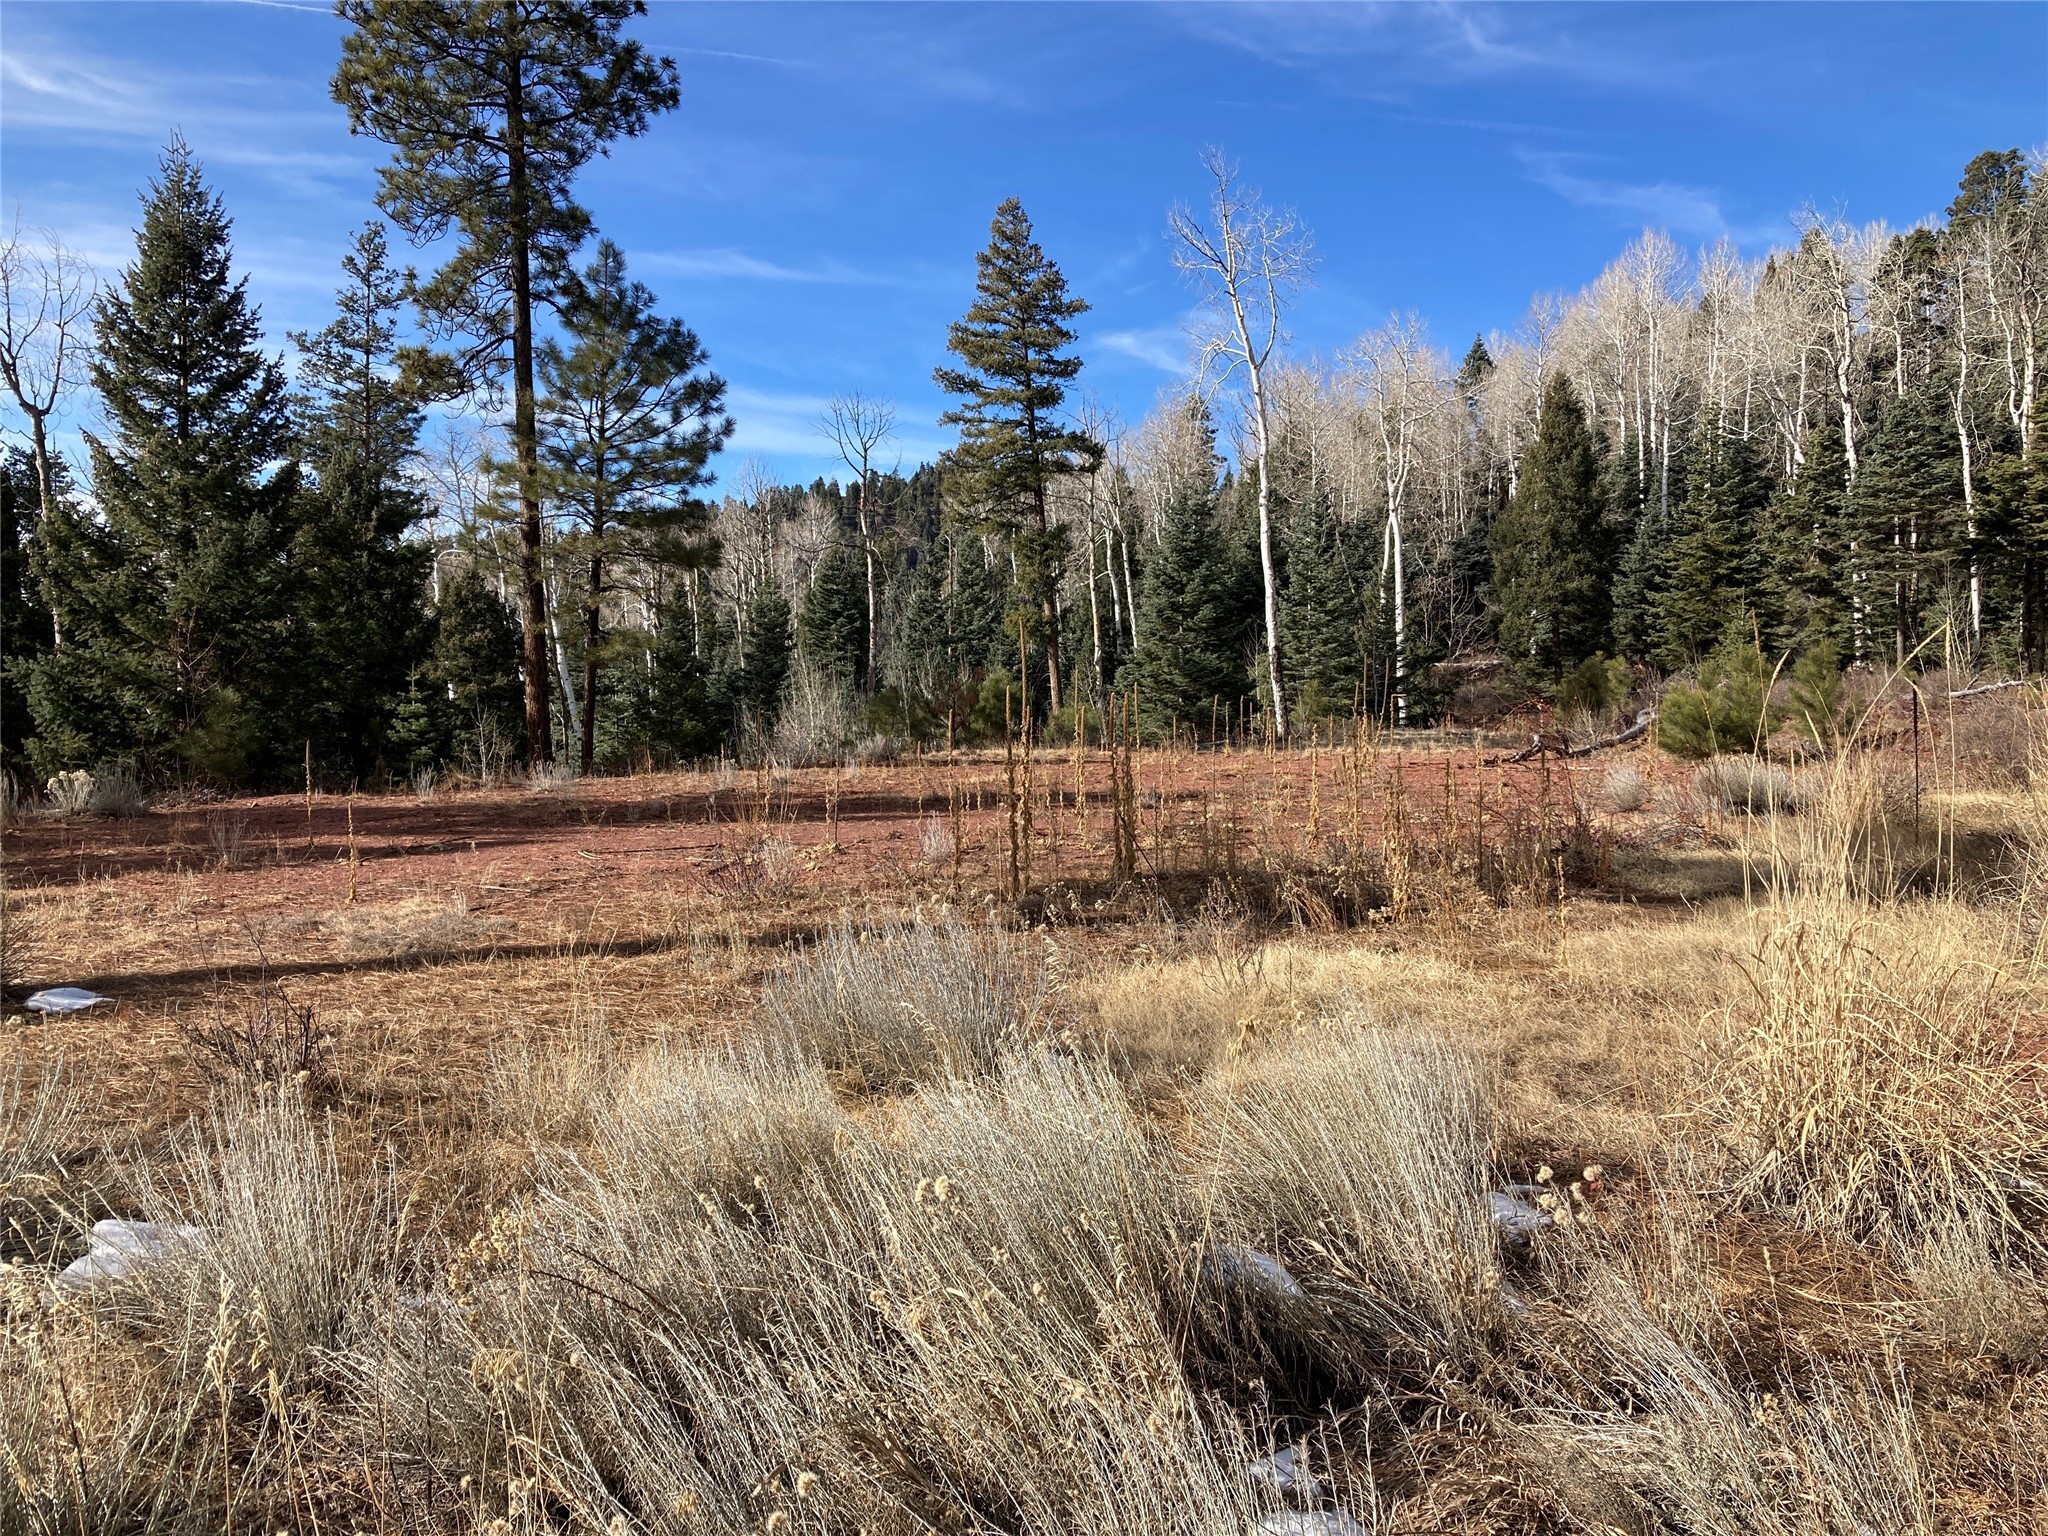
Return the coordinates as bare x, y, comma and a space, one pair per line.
1833, 455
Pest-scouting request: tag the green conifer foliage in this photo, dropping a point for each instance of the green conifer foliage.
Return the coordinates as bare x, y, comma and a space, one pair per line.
473, 668
1727, 710
25, 628
1550, 551
359, 611
1906, 515
1319, 617
1013, 346
833, 628
2014, 534
175, 595
1713, 571
1806, 544
629, 420
767, 647
1191, 634
492, 107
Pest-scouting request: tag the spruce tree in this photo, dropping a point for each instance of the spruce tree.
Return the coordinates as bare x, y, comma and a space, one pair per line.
1550, 551
1906, 515
2014, 535
473, 665
767, 644
1805, 551
359, 616
629, 418
1191, 633
833, 628
492, 107
1319, 616
175, 594
1712, 573
1015, 370
1640, 579
25, 629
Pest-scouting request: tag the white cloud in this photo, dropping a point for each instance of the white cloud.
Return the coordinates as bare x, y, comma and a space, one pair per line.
729, 261
1672, 206
1164, 347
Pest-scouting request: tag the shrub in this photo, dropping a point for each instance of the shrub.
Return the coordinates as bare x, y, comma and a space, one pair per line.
1600, 685
70, 792
116, 791
1726, 710
1625, 788
1748, 784
896, 1003
1818, 703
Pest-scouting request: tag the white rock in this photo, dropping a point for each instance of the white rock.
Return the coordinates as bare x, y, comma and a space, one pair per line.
64, 1000
1284, 1472
120, 1250
1518, 1220
1332, 1522
1242, 1266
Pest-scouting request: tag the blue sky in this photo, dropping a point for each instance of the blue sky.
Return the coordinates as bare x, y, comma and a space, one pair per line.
814, 207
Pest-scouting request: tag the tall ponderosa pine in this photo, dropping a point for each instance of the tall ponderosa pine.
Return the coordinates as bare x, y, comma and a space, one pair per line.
1712, 573
492, 107
629, 418
1319, 616
359, 621
1190, 660
175, 594
1550, 550
1013, 344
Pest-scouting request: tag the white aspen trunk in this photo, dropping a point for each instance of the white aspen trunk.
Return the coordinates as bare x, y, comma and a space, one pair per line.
1969, 471
575, 721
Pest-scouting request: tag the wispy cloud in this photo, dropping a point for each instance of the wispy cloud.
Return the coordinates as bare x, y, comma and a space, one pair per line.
729, 261
1164, 347
785, 423
1674, 207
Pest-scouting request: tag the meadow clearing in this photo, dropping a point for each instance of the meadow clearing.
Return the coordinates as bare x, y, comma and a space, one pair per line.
1385, 1136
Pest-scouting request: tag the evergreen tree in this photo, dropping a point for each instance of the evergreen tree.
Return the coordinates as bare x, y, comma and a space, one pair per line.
175, 593
1319, 616
695, 684
1550, 551
767, 645
25, 629
1013, 347
1191, 633
1906, 514
1806, 546
833, 627
473, 665
629, 418
492, 107
1640, 581
359, 613
1713, 573
2014, 534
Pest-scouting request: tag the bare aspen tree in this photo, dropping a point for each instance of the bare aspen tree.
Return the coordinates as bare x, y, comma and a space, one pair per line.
47, 295
1403, 385
858, 426
1247, 258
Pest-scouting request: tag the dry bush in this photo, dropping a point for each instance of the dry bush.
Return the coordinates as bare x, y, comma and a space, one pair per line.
936, 843
42, 1122
70, 792
818, 724
228, 836
116, 791
1748, 784
893, 1002
268, 1039
1625, 788
1361, 1157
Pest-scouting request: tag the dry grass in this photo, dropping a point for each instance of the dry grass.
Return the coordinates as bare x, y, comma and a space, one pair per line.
956, 1227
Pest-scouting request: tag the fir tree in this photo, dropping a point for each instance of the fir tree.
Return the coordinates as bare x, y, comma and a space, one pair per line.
1905, 512
1191, 634
1319, 616
175, 594
492, 107
767, 644
629, 418
25, 629
473, 664
833, 626
2014, 534
1016, 368
1550, 552
359, 616
1712, 573
1805, 548
1640, 580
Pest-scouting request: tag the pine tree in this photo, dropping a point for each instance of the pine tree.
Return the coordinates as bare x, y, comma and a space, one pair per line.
767, 646
1712, 574
1550, 550
629, 418
175, 594
1191, 632
1013, 344
1319, 616
492, 107
359, 615
26, 633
